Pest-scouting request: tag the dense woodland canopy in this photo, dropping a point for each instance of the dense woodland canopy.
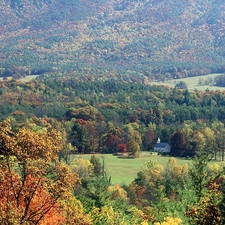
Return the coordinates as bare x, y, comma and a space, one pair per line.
45, 120
141, 39
99, 116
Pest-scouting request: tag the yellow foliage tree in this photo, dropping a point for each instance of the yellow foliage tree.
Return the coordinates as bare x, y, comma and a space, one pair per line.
118, 192
175, 175
32, 183
73, 212
154, 173
170, 221
133, 148
83, 168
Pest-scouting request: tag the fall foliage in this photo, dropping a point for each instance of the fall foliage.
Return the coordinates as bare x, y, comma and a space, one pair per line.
32, 185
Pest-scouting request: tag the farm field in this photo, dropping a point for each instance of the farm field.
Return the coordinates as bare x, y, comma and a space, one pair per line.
25, 79
124, 170
192, 82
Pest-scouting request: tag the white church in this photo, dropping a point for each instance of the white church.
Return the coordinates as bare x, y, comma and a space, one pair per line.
161, 147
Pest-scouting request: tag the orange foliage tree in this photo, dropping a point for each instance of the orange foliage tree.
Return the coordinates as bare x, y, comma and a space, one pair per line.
32, 183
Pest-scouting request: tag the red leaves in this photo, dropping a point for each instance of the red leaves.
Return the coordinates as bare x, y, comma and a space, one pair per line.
122, 148
81, 122
30, 184
26, 201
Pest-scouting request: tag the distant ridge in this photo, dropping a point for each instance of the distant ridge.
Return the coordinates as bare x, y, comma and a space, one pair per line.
146, 39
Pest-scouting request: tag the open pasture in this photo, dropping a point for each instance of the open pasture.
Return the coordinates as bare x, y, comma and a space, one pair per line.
25, 79
192, 82
124, 170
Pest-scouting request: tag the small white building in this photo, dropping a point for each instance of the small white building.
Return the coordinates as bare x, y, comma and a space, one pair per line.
161, 147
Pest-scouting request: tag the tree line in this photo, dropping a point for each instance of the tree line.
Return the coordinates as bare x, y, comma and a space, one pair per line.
111, 116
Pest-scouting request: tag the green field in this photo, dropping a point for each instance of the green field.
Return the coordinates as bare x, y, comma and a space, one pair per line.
192, 83
25, 79
124, 170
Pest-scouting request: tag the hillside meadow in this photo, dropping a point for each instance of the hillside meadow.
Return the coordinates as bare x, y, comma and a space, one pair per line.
24, 79
192, 82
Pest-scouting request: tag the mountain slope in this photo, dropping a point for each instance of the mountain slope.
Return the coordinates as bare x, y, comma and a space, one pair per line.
140, 38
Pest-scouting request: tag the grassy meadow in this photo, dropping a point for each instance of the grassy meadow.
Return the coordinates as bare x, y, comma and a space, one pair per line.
25, 79
192, 83
124, 170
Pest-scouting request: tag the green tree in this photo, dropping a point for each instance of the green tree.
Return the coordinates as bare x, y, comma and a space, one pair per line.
218, 128
131, 133
79, 135
181, 85
95, 193
98, 167
133, 149
175, 176
209, 140
198, 173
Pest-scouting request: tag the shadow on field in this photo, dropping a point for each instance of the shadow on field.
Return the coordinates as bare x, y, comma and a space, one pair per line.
125, 157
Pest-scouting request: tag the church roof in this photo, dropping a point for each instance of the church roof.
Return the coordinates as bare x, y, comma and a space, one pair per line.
161, 145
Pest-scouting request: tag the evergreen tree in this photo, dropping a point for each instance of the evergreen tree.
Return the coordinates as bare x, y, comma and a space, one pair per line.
198, 173
98, 167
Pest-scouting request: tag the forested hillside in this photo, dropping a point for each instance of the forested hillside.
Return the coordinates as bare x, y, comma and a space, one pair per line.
120, 38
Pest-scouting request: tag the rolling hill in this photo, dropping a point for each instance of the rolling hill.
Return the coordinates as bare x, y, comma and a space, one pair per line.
139, 39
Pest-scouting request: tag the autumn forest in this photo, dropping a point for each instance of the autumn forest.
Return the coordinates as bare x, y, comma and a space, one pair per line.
48, 121
130, 40
96, 64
